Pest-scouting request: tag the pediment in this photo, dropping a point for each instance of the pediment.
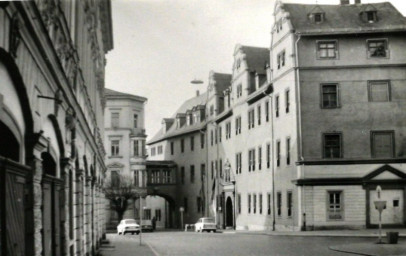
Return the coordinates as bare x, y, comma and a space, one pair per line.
385, 172
115, 165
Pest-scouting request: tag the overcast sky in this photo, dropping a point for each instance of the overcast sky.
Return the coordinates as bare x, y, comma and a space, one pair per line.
161, 45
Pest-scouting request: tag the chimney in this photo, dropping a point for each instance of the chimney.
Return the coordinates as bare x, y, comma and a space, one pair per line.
344, 2
197, 93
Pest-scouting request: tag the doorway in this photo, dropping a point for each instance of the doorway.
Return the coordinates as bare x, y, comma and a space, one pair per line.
229, 213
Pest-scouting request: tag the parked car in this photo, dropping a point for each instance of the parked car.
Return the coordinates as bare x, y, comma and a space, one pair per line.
205, 224
146, 225
128, 226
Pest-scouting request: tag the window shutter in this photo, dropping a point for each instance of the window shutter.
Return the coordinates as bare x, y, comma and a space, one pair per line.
338, 96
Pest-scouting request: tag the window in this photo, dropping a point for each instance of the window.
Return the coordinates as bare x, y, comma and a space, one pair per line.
215, 135
251, 160
211, 110
278, 25
158, 214
335, 207
182, 175
212, 169
330, 96
379, 91
279, 203
254, 208
202, 140
382, 144
239, 203
289, 203
135, 120
332, 145
115, 120
199, 204
136, 178
260, 203
211, 138
277, 106
251, 119
318, 17
267, 111
238, 125
153, 150
239, 90
159, 150
219, 132
115, 147
185, 204
202, 171
268, 203
377, 48
182, 145
147, 214
327, 49
259, 114
115, 179
259, 158
172, 147
249, 203
136, 149
288, 151
268, 155
287, 101
228, 130
192, 143
238, 163
281, 59
278, 153
216, 169
192, 174
221, 168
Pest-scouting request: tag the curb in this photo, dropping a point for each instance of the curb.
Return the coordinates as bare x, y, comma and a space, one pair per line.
314, 235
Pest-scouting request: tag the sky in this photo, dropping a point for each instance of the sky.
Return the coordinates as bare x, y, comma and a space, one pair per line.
160, 46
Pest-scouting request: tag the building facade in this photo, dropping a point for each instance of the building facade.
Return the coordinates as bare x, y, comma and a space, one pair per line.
125, 144
301, 134
52, 60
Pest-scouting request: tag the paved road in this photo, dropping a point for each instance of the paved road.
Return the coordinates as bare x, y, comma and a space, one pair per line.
209, 244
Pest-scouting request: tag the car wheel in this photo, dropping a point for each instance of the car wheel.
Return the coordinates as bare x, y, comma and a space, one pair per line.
138, 232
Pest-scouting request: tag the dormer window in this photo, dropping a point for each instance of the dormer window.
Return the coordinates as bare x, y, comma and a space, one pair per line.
371, 16
318, 17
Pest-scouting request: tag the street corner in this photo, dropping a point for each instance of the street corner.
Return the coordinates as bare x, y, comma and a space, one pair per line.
372, 249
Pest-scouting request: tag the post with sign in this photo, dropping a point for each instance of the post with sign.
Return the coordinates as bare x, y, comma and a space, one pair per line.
181, 209
380, 205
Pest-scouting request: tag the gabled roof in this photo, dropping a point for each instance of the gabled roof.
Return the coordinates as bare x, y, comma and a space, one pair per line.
344, 19
222, 80
256, 57
111, 94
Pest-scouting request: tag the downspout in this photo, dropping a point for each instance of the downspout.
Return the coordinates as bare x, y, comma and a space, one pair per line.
301, 219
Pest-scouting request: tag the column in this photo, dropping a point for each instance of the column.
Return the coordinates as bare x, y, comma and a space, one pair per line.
66, 168
79, 211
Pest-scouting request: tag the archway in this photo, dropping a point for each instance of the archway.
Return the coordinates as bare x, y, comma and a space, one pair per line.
9, 146
229, 213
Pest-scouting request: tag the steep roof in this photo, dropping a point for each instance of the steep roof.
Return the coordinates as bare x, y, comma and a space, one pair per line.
223, 81
110, 94
256, 57
173, 131
345, 19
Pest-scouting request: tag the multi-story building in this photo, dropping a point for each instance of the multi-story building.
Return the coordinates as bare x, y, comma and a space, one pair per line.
338, 78
125, 144
51, 123
304, 142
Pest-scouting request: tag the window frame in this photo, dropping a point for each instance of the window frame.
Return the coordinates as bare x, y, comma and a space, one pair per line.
337, 92
389, 90
386, 45
342, 210
287, 101
390, 132
340, 134
289, 203
288, 149
279, 204
276, 106
326, 42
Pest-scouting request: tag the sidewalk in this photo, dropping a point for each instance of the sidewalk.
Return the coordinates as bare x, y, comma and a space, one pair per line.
122, 247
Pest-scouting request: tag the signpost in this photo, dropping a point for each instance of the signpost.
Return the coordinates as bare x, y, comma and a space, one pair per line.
380, 205
181, 209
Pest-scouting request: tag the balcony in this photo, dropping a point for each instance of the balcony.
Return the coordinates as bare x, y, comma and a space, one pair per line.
138, 132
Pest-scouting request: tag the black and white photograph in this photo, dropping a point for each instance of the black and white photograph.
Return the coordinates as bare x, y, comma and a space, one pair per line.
202, 127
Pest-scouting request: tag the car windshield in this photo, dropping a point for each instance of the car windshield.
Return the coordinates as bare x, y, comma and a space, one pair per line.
130, 222
208, 220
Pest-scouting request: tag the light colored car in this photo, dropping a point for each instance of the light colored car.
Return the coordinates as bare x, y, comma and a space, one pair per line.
205, 224
128, 226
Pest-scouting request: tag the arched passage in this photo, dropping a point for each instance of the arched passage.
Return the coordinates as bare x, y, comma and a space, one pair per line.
9, 146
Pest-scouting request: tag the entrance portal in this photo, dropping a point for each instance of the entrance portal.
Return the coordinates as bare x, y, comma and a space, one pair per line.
229, 213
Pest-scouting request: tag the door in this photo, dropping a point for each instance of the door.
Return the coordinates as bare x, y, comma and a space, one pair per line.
229, 213
47, 218
393, 214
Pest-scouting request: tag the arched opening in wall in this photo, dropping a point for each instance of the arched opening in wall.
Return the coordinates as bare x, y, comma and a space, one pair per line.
48, 164
9, 146
157, 211
229, 213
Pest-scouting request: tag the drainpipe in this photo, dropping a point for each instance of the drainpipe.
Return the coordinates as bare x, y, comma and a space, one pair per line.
301, 218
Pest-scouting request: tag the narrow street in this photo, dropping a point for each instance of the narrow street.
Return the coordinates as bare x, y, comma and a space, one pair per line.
190, 243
